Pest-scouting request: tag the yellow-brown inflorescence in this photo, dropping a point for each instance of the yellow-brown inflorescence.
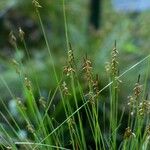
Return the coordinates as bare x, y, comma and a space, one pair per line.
27, 83
95, 84
20, 104
128, 133
144, 108
69, 68
87, 68
112, 67
148, 130
43, 102
71, 59
134, 98
30, 128
114, 61
36, 4
65, 89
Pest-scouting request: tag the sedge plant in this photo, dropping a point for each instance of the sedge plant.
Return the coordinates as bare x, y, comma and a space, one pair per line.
80, 101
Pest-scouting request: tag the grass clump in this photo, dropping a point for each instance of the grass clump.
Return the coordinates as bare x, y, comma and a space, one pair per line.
74, 114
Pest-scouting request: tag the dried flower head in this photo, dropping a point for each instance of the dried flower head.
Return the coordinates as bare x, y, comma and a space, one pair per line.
133, 100
95, 84
43, 102
28, 83
70, 55
30, 128
68, 70
148, 130
20, 103
144, 108
138, 88
114, 61
132, 104
87, 68
65, 89
36, 4
128, 133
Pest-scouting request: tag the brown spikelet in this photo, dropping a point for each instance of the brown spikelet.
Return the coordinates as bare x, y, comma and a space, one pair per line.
65, 89
21, 34
70, 55
20, 104
114, 61
30, 128
138, 88
87, 68
128, 133
68, 70
27, 83
148, 130
43, 102
95, 84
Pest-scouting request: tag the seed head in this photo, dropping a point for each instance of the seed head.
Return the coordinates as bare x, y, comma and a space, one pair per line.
70, 55
144, 108
28, 83
20, 103
87, 68
12, 39
43, 102
148, 130
30, 128
128, 133
114, 62
138, 88
21, 34
68, 70
36, 4
65, 89
95, 84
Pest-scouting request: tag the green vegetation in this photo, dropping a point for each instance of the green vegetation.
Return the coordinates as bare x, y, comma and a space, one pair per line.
79, 112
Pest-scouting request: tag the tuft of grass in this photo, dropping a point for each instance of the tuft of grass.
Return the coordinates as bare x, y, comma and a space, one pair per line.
83, 125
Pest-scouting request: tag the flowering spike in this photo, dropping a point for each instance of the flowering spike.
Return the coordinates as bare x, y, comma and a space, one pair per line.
21, 34
36, 4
